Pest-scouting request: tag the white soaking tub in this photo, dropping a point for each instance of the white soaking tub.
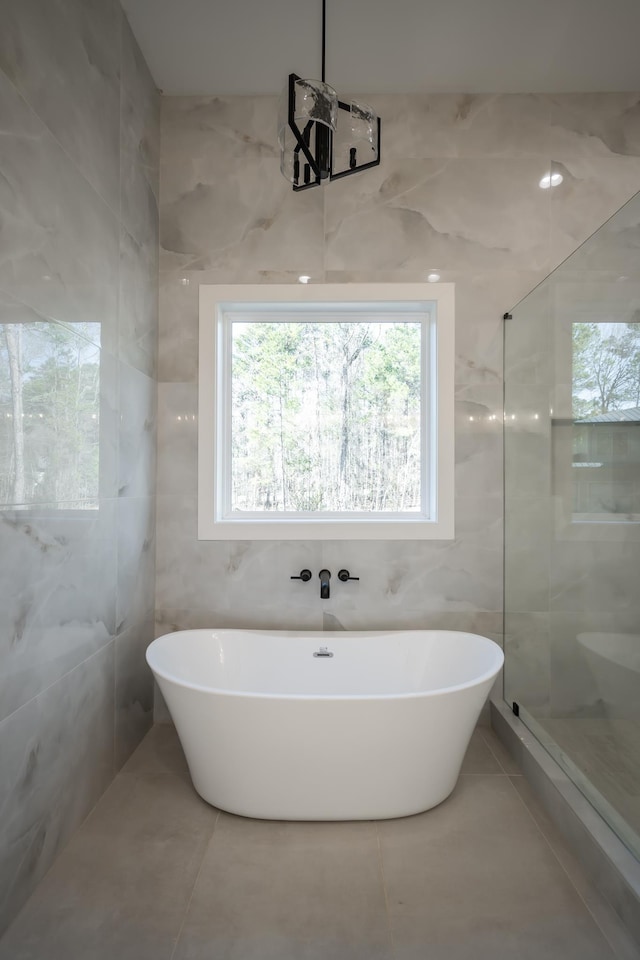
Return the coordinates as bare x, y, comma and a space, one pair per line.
287, 725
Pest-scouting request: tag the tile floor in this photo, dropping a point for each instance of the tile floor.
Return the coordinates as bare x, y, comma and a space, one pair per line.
156, 874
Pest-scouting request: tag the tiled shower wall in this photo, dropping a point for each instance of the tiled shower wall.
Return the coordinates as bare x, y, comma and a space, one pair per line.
457, 192
79, 156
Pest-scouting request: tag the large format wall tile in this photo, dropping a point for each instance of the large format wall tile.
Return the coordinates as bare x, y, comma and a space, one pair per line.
480, 304
224, 202
464, 125
527, 440
509, 125
611, 253
177, 439
202, 132
454, 214
138, 303
138, 204
594, 125
60, 240
412, 584
247, 583
79, 125
58, 575
528, 342
595, 576
528, 533
592, 190
244, 217
178, 325
63, 56
57, 757
137, 451
133, 689
527, 668
139, 144
478, 440
179, 290
140, 106
136, 560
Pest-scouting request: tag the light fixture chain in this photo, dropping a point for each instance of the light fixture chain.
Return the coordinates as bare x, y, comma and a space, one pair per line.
324, 31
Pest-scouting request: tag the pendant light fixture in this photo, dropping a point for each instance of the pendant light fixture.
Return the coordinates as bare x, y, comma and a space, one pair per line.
322, 138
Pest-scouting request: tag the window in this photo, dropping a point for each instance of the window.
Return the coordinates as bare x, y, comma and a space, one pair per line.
326, 412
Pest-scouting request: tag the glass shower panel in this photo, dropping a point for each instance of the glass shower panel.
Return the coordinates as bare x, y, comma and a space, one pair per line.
572, 517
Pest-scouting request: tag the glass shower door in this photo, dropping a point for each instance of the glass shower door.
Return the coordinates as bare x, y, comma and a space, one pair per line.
572, 518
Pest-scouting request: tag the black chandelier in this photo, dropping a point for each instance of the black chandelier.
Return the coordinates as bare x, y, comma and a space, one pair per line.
320, 136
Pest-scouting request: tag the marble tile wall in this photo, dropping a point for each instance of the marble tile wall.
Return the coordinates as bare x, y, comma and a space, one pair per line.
457, 192
79, 170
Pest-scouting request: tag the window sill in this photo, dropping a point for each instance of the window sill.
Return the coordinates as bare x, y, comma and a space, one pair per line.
326, 530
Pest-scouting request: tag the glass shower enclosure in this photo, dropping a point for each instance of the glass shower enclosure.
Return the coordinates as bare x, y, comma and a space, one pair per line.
572, 518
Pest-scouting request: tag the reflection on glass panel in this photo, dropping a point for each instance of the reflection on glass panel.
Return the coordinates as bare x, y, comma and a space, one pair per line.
606, 411
326, 416
49, 413
572, 551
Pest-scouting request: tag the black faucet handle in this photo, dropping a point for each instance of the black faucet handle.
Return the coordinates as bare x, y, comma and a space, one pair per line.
344, 575
304, 575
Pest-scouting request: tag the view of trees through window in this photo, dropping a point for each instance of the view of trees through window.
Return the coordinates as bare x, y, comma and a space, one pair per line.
606, 417
49, 414
606, 367
326, 416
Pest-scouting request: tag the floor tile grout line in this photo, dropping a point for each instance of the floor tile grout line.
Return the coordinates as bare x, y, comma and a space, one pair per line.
495, 755
485, 773
551, 847
386, 895
195, 882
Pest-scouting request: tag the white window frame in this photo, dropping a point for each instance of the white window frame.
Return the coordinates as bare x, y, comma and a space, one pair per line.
214, 420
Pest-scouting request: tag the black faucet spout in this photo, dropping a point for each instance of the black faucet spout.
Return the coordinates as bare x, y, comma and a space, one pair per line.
325, 576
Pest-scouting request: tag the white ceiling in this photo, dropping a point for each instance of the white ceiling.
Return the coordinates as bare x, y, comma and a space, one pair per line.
391, 46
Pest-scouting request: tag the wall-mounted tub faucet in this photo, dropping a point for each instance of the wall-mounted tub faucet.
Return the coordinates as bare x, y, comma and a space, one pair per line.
325, 576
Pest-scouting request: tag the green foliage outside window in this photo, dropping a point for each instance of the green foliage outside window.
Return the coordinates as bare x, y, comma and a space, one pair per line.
326, 416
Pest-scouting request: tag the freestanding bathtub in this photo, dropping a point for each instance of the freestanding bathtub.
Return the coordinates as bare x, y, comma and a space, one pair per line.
284, 725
